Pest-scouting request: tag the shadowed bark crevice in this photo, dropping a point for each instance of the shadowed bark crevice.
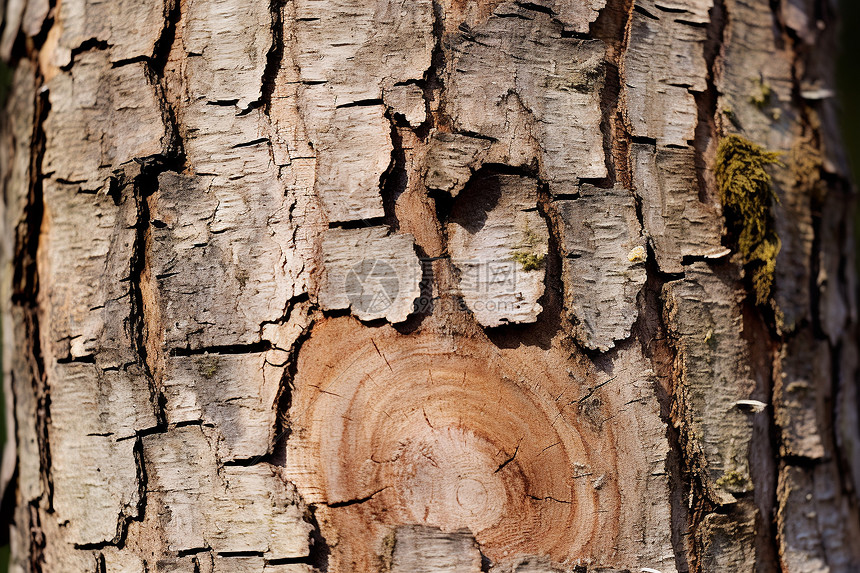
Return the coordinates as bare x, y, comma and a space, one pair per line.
651, 332
706, 136
275, 57
612, 27
253, 348
25, 293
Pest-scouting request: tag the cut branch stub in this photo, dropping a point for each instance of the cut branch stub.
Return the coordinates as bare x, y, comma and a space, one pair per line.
447, 432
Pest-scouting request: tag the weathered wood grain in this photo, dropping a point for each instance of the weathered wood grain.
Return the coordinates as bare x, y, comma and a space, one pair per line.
95, 415
452, 159
208, 257
663, 66
205, 206
130, 28
490, 83
728, 541
235, 393
231, 68
800, 396
350, 54
87, 135
226, 508
428, 550
814, 521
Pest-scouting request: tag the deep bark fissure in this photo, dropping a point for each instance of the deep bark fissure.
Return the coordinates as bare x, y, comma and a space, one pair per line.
283, 402
252, 348
139, 326
651, 331
764, 446
37, 538
275, 57
164, 44
359, 223
358, 500
91, 44
612, 26
25, 295
434, 86
706, 103
393, 182
318, 555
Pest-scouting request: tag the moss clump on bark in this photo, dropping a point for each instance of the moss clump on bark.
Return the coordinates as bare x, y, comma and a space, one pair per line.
529, 261
207, 366
527, 257
761, 94
746, 192
734, 482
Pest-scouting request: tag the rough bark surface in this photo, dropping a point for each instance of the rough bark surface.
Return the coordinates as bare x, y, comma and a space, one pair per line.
311, 286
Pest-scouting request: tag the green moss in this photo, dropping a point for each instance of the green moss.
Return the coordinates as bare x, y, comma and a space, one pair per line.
526, 256
529, 261
207, 366
733, 481
761, 94
747, 193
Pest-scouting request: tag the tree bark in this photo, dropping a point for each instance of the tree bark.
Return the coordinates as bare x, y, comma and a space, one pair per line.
426, 286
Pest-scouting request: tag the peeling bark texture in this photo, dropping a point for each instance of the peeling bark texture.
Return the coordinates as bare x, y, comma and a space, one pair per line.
423, 550
498, 245
678, 224
383, 285
666, 59
603, 269
355, 286
702, 318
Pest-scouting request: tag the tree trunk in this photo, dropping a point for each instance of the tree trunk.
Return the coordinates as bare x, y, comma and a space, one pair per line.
427, 286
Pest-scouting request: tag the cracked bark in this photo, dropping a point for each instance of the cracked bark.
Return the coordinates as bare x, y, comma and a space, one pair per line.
335, 286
